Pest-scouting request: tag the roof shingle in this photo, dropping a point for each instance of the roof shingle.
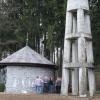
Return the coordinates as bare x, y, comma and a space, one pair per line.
26, 56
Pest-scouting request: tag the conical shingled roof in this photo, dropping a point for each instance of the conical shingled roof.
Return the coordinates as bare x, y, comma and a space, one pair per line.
26, 56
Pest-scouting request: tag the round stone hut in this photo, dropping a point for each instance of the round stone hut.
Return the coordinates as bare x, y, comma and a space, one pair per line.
23, 67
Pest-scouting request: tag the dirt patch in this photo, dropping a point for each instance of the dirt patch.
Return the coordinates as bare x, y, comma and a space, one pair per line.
4, 96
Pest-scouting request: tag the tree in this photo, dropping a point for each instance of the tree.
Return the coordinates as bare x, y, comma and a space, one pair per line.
95, 18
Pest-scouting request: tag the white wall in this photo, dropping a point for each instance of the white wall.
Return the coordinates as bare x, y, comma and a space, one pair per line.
19, 79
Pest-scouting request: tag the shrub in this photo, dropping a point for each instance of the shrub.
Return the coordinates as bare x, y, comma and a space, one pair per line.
2, 87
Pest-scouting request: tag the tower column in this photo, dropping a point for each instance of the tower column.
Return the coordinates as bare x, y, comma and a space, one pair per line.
75, 70
75, 81
74, 60
87, 24
65, 82
82, 82
80, 21
91, 76
90, 59
92, 85
66, 57
82, 69
65, 71
69, 21
81, 52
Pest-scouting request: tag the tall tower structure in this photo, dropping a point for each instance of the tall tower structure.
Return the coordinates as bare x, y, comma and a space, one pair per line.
78, 54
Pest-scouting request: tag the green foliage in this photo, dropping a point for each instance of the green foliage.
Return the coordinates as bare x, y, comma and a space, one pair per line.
50, 37
2, 87
95, 18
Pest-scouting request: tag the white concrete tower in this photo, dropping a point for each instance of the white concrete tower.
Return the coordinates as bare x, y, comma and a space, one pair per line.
78, 53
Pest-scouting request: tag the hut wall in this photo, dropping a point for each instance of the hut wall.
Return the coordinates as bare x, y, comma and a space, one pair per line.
20, 79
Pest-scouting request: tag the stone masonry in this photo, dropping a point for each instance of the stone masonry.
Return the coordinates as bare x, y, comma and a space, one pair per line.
78, 53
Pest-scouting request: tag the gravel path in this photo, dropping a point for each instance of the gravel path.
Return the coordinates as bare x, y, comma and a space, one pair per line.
4, 96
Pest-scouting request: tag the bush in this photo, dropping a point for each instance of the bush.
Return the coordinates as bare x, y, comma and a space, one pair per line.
2, 87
